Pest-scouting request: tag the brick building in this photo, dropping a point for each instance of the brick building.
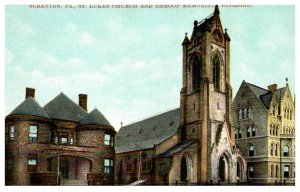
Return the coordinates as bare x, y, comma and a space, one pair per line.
195, 143
265, 132
61, 137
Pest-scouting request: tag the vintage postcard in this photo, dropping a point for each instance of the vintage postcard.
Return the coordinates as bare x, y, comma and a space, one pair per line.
149, 94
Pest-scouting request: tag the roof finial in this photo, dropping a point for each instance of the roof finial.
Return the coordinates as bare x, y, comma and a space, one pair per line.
217, 11
225, 30
287, 81
195, 23
186, 34
121, 124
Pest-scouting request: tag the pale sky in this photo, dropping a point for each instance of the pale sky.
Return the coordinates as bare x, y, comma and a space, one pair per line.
129, 61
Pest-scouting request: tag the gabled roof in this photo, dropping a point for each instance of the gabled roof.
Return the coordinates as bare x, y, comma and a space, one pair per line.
265, 96
258, 91
61, 107
95, 117
30, 107
177, 148
146, 133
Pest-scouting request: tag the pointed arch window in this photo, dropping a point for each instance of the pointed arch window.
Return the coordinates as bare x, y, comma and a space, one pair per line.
196, 72
248, 131
271, 149
253, 131
240, 111
216, 72
245, 113
249, 112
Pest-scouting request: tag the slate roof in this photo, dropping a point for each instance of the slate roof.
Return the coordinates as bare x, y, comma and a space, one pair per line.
61, 107
146, 133
266, 98
30, 107
264, 95
177, 148
95, 117
258, 91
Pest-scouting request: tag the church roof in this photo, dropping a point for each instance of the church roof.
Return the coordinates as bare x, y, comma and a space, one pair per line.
61, 107
177, 148
95, 117
148, 132
30, 107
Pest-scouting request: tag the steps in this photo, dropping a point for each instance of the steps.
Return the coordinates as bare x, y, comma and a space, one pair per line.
68, 182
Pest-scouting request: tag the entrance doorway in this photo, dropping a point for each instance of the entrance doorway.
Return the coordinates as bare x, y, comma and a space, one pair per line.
224, 167
186, 169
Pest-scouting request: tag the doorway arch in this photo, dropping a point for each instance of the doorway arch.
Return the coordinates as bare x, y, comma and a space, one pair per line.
186, 168
224, 167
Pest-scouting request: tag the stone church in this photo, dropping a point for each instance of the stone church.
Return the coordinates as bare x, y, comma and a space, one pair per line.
193, 144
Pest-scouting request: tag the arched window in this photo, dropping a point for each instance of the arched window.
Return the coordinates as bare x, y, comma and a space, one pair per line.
253, 131
286, 151
196, 72
240, 114
244, 113
240, 133
216, 72
276, 149
251, 150
271, 149
271, 127
272, 173
285, 113
249, 113
248, 131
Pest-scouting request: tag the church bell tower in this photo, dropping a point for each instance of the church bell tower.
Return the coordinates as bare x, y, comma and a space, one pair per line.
206, 99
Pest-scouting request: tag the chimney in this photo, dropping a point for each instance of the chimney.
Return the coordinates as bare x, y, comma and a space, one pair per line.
29, 92
272, 88
83, 101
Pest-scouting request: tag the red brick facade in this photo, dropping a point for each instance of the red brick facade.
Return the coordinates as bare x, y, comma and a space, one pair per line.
32, 158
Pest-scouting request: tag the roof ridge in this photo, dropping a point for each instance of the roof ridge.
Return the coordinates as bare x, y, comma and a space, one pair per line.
69, 100
149, 117
256, 86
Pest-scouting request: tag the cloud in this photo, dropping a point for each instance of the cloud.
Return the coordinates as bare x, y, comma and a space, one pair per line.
81, 36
